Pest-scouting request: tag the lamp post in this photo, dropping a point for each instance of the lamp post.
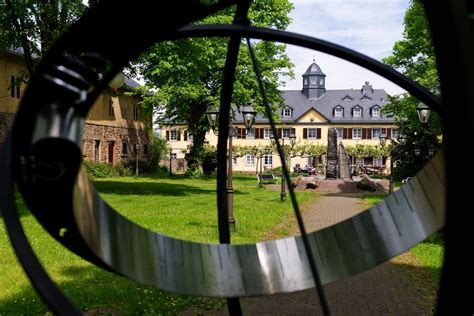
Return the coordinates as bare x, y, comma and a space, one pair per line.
212, 114
137, 151
383, 140
171, 157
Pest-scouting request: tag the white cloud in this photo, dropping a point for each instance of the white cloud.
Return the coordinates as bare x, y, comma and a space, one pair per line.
370, 27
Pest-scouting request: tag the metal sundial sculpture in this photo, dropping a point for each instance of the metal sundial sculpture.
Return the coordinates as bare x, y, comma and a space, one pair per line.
43, 158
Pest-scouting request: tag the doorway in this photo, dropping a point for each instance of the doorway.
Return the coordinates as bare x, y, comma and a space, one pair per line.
110, 156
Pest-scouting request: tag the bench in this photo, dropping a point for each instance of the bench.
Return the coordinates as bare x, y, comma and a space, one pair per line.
267, 178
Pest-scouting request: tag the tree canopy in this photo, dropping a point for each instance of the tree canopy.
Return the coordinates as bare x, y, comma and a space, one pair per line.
34, 26
186, 74
414, 56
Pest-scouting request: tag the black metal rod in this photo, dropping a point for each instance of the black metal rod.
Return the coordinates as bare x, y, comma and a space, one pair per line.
223, 208
418, 91
285, 173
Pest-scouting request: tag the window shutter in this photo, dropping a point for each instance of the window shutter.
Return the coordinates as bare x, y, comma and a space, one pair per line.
178, 135
305, 133
344, 133
167, 135
185, 136
364, 133
278, 133
318, 133
370, 111
243, 132
239, 133
349, 133
352, 111
389, 133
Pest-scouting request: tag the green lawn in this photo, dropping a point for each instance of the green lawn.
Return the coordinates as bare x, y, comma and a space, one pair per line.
177, 207
428, 254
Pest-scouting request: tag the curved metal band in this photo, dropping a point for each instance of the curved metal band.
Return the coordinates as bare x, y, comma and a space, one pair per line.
403, 219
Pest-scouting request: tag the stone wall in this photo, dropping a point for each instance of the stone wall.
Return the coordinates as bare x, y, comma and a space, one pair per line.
103, 136
110, 138
6, 121
178, 165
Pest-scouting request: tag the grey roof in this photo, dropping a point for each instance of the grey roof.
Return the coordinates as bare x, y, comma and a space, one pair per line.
313, 69
131, 83
325, 105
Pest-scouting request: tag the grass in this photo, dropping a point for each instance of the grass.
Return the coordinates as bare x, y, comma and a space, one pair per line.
174, 206
428, 254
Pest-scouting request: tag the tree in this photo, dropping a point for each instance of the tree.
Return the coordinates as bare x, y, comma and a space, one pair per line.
414, 56
186, 74
35, 25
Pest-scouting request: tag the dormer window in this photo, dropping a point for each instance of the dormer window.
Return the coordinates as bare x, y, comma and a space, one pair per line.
365, 98
346, 98
287, 112
376, 111
357, 112
338, 112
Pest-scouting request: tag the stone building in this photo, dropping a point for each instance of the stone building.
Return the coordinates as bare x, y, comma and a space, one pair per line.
112, 127
308, 113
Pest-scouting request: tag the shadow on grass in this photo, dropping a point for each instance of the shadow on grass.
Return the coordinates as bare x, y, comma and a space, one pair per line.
153, 188
149, 188
90, 289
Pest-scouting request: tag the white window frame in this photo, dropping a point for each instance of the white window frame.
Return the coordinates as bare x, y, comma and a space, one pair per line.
287, 112
374, 113
286, 133
312, 131
338, 112
190, 137
250, 134
340, 133
373, 133
249, 160
395, 134
267, 132
268, 160
234, 161
174, 155
354, 133
321, 81
313, 80
357, 110
173, 135
377, 161
305, 82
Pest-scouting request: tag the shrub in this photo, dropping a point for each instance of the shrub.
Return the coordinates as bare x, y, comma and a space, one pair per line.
100, 169
193, 173
209, 160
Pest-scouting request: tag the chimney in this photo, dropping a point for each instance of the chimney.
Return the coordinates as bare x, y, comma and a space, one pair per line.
367, 88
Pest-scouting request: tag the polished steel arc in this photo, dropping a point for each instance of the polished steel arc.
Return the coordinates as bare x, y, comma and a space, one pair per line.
402, 220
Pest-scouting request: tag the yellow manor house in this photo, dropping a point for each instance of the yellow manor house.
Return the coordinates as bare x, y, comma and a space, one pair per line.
112, 128
308, 114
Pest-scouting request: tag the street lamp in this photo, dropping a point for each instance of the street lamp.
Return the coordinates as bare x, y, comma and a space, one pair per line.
423, 113
137, 151
212, 114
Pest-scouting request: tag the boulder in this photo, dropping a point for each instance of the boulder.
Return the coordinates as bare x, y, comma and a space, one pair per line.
301, 183
366, 184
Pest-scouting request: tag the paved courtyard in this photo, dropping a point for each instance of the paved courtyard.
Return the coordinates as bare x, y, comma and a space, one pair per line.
389, 289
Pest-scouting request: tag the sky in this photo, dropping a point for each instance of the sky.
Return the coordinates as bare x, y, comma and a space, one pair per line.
370, 27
